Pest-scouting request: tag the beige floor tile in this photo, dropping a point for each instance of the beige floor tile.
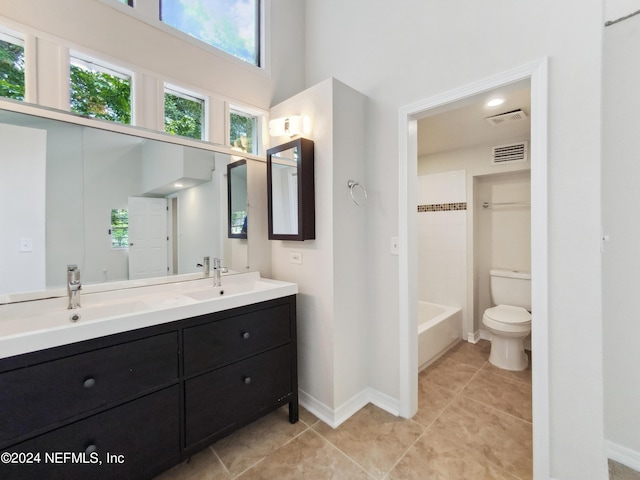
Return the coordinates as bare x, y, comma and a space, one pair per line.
618, 471
202, 466
432, 400
448, 373
502, 393
487, 434
524, 376
249, 445
373, 438
473, 355
307, 457
428, 459
307, 417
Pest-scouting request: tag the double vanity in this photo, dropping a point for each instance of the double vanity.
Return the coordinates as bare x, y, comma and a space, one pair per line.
139, 379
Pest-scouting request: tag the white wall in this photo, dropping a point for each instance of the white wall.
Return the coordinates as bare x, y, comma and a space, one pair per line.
501, 233
442, 240
22, 208
332, 347
621, 260
400, 53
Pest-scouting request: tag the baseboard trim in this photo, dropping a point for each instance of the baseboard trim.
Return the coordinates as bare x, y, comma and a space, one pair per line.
334, 418
626, 456
475, 337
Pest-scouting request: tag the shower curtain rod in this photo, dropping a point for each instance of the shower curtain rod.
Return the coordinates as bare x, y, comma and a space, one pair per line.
489, 204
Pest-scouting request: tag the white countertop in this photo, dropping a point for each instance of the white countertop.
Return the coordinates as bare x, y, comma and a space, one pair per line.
39, 324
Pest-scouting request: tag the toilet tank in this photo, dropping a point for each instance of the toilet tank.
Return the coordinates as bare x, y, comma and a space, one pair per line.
509, 287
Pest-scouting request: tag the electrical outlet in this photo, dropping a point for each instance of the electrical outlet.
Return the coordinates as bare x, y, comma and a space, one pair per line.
395, 245
26, 245
295, 257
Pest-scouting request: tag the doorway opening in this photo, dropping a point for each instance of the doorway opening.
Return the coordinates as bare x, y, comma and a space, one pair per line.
536, 74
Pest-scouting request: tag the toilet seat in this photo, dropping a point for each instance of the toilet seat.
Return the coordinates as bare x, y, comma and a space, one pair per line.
507, 318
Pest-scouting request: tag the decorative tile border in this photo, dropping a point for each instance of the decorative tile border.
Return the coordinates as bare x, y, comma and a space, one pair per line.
442, 207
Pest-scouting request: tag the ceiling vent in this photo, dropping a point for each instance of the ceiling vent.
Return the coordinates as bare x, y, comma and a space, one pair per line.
513, 152
504, 118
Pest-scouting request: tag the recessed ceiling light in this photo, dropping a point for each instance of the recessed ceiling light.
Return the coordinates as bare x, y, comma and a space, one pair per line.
178, 185
494, 102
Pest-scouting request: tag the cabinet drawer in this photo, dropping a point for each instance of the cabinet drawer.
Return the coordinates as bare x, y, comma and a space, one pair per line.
41, 395
142, 435
220, 399
221, 342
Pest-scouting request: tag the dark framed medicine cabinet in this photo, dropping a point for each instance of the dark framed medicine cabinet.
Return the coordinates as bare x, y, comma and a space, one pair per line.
237, 204
290, 191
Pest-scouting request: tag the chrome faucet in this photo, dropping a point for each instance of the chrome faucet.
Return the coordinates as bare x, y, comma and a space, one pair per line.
73, 286
217, 270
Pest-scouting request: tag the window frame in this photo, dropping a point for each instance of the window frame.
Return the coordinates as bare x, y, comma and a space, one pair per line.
257, 53
149, 12
18, 40
187, 94
256, 140
112, 228
96, 64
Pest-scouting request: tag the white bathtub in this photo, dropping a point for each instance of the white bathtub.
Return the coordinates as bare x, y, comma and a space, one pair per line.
439, 328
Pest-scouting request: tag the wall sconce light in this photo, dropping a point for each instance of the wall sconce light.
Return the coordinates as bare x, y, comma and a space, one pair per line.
293, 125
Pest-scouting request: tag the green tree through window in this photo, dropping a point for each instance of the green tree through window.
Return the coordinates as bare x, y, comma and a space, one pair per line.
11, 70
183, 116
242, 131
99, 94
119, 228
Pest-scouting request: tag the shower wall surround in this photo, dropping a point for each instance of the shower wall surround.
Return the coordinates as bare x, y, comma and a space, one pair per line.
442, 236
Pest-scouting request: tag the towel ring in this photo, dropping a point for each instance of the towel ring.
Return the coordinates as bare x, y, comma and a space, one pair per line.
353, 184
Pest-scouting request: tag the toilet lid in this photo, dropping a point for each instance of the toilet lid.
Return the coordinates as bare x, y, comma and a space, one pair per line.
508, 314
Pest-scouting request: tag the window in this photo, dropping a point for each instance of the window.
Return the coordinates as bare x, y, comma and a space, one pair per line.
11, 67
100, 92
243, 132
119, 228
183, 114
230, 25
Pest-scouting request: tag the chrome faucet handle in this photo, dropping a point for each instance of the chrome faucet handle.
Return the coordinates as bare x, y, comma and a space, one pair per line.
206, 266
73, 286
73, 275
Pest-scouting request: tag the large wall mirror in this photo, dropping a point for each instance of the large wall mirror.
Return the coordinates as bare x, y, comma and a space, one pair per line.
290, 191
120, 206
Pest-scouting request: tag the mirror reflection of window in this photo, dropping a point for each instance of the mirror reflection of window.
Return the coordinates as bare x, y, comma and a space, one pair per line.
119, 228
243, 130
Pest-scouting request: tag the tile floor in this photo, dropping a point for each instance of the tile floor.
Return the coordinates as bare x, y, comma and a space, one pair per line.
473, 422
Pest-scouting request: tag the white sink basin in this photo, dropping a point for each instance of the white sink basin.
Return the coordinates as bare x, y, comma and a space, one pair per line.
211, 293
34, 325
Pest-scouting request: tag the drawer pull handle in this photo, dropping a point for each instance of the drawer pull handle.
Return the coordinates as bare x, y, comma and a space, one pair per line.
90, 449
247, 380
89, 382
246, 335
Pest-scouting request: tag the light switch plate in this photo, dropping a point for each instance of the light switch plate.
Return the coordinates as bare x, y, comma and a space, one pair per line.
295, 257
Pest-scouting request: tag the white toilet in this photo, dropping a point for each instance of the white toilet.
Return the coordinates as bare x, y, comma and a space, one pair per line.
510, 320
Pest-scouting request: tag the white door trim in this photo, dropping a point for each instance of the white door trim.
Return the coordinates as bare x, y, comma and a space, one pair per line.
408, 162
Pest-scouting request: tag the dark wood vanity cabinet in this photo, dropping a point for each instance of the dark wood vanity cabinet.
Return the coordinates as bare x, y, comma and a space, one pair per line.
133, 404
